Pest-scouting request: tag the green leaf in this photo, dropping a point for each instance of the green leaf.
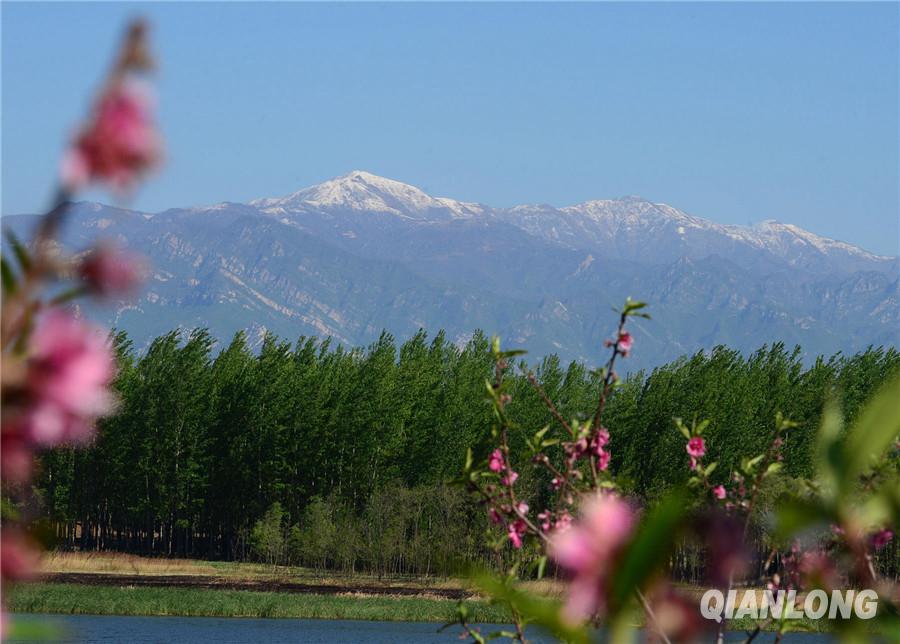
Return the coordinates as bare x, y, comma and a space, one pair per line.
541, 566
9, 278
875, 429
773, 467
539, 610
19, 250
829, 455
795, 515
33, 631
648, 550
679, 424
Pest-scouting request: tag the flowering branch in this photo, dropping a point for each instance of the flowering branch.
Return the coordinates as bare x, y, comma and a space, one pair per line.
57, 369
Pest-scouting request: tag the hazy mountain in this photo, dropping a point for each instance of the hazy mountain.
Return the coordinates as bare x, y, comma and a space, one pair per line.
360, 253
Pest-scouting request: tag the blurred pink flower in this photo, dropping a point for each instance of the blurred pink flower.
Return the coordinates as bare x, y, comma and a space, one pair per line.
817, 570
109, 270
719, 492
69, 370
15, 454
625, 343
495, 461
603, 460
119, 142
881, 538
587, 550
678, 617
19, 557
510, 478
517, 530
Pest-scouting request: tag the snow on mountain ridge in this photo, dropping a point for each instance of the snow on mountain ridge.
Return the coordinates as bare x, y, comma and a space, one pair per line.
366, 192
362, 191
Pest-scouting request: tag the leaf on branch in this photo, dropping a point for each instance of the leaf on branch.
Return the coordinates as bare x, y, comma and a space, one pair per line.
795, 515
9, 279
648, 550
539, 610
19, 250
875, 429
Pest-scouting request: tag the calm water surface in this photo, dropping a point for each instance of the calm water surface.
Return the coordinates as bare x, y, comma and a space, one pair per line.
215, 630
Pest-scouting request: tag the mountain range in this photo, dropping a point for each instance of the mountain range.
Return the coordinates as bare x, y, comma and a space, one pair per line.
360, 253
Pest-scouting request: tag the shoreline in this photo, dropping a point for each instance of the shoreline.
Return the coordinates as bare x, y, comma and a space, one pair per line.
165, 601
76, 599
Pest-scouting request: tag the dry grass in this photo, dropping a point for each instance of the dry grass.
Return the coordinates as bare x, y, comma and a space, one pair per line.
124, 564
116, 563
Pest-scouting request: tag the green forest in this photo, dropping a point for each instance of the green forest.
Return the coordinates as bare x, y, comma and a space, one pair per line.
316, 454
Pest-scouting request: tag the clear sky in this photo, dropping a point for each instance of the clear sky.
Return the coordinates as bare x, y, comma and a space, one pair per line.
736, 113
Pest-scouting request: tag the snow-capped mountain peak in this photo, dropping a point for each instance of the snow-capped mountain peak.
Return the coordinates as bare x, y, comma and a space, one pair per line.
630, 227
363, 191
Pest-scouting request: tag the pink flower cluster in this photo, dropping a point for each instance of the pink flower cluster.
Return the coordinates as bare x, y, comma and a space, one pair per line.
108, 270
496, 463
594, 446
57, 369
588, 550
118, 144
64, 389
500, 507
881, 538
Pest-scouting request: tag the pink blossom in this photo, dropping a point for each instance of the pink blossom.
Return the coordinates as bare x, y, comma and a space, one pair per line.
496, 519
69, 370
544, 518
18, 555
696, 447
118, 144
108, 270
15, 454
587, 550
517, 530
719, 492
510, 478
495, 461
817, 570
881, 538
678, 617
563, 522
625, 343
603, 460
581, 446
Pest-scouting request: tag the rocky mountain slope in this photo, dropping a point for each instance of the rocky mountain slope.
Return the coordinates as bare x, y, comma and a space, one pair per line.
361, 253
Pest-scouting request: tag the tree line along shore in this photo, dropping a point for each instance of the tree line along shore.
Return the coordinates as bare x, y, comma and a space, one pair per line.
342, 459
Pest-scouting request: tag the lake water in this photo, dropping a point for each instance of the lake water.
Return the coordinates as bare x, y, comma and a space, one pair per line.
215, 630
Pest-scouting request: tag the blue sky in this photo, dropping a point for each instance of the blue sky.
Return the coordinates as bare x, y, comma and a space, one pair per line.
736, 113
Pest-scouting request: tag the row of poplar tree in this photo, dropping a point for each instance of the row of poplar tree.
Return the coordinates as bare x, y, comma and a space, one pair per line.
356, 446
